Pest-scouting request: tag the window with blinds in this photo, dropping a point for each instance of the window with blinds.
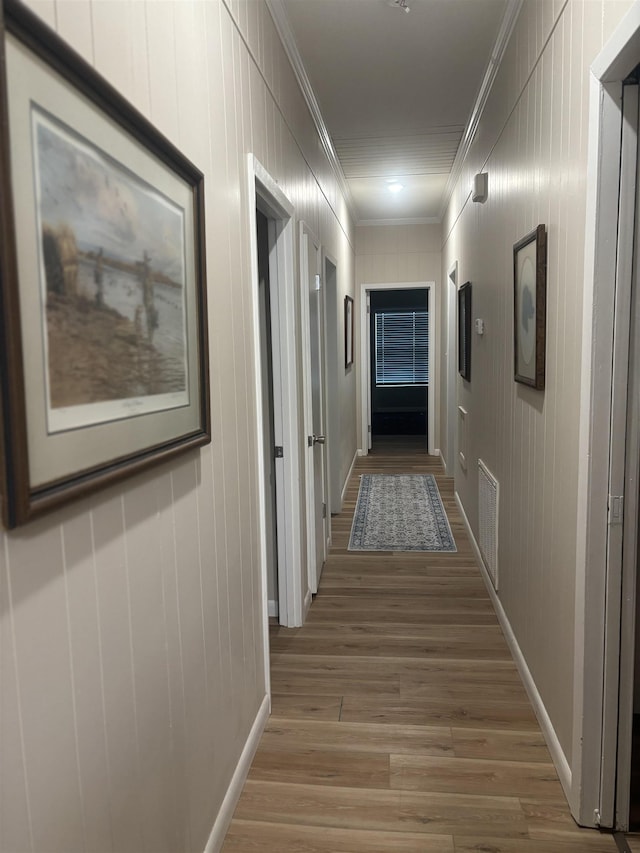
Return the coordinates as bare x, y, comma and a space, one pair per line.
402, 347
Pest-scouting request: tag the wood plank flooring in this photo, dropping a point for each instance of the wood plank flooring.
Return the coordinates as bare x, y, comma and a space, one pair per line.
399, 722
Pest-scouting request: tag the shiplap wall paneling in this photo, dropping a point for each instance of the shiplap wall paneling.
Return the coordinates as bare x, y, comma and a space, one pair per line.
532, 141
132, 658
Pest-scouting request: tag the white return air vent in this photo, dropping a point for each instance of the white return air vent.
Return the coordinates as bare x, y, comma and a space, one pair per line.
488, 492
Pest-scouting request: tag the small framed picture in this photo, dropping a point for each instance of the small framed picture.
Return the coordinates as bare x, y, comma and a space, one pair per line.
348, 331
530, 305
464, 331
103, 316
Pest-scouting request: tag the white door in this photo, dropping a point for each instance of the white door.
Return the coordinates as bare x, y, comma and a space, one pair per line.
615, 767
313, 316
334, 362
629, 701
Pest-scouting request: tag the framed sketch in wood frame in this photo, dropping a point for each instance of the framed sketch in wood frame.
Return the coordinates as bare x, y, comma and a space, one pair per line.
464, 331
349, 322
530, 301
103, 320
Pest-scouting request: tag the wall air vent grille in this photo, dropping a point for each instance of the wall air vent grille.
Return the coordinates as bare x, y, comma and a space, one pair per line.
488, 492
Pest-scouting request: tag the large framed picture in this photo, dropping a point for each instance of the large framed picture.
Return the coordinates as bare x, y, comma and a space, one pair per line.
464, 331
349, 321
103, 322
530, 305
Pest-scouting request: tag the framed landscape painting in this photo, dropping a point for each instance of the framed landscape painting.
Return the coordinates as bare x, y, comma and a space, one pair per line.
530, 301
103, 311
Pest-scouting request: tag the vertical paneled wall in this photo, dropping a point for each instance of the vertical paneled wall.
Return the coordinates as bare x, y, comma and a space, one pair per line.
532, 141
393, 254
132, 658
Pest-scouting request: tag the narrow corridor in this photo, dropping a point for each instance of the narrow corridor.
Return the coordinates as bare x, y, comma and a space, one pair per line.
399, 720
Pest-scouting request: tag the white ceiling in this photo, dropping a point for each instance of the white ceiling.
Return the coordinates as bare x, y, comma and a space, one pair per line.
396, 91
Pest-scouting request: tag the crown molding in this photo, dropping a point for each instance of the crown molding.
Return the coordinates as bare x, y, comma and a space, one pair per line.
502, 40
281, 21
372, 223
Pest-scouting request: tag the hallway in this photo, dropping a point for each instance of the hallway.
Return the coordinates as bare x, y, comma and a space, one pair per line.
399, 721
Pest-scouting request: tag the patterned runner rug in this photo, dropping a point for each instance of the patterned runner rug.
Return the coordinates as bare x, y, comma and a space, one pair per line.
400, 512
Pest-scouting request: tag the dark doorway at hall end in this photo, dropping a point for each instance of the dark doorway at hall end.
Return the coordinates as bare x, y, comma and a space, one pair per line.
399, 334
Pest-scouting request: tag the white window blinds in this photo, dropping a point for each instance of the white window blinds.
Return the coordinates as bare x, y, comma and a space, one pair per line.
402, 347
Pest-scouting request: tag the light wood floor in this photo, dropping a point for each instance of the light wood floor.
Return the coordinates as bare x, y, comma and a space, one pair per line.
399, 722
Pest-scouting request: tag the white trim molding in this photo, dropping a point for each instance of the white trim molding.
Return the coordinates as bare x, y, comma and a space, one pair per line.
223, 819
549, 733
353, 464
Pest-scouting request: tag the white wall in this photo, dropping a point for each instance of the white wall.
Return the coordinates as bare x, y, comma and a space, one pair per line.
532, 140
131, 636
394, 254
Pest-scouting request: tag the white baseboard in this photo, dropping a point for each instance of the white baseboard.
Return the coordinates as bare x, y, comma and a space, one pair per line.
361, 452
273, 608
221, 825
346, 482
549, 733
307, 604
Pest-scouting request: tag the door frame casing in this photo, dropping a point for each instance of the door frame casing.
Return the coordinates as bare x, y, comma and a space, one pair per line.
365, 357
582, 782
264, 192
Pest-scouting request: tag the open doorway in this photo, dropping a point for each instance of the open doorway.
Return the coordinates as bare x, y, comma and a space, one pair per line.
399, 364
268, 426
367, 343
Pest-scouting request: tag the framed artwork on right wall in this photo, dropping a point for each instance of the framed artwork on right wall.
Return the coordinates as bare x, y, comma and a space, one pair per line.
348, 331
464, 331
530, 307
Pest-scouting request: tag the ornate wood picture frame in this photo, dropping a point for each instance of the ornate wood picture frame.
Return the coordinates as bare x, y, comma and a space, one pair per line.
530, 304
103, 314
349, 328
464, 331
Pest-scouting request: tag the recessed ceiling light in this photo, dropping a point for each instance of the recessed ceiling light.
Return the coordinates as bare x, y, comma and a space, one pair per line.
399, 4
395, 187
